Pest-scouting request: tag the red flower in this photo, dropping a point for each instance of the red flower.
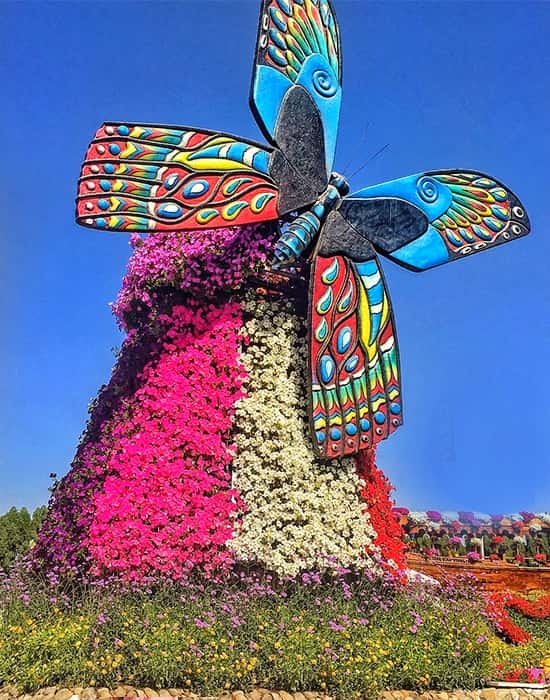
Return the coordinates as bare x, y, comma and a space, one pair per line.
497, 608
376, 495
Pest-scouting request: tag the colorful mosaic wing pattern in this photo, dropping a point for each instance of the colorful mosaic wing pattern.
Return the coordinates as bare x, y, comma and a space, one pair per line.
482, 212
355, 388
155, 178
432, 218
298, 44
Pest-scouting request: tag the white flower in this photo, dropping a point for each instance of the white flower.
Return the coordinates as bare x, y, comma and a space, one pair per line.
301, 513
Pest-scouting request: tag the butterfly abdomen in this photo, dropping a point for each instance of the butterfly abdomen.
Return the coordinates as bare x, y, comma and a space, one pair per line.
303, 230
296, 239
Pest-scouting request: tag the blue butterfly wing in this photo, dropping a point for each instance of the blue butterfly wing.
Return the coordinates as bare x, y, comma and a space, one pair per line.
298, 46
432, 218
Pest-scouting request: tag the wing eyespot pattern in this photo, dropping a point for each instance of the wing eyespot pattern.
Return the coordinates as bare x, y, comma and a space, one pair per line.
356, 393
148, 178
293, 30
481, 213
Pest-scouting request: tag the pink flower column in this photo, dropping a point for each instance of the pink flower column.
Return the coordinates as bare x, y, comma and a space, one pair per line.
166, 505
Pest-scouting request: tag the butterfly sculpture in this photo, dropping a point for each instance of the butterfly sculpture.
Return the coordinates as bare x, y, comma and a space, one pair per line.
140, 177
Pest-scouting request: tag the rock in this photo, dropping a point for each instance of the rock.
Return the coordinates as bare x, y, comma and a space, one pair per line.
131, 692
11, 690
285, 696
255, 694
63, 694
88, 694
238, 695
176, 692
150, 693
163, 693
299, 696
103, 693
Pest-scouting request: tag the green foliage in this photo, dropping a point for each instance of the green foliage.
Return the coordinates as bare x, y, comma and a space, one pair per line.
17, 533
507, 657
539, 629
350, 640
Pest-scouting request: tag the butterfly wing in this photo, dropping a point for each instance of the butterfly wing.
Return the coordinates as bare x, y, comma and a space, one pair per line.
354, 361
431, 218
298, 46
154, 178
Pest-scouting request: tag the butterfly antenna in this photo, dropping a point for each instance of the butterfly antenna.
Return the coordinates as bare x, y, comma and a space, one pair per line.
378, 152
363, 141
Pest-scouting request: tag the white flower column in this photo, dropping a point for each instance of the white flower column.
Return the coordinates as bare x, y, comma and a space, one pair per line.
301, 513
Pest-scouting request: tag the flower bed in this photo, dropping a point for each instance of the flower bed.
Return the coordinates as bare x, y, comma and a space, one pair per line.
522, 654
351, 635
499, 605
521, 538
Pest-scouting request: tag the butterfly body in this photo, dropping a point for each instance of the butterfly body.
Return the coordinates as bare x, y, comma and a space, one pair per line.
162, 178
303, 230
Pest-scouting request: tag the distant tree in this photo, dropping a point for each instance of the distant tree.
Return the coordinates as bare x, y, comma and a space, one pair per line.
18, 532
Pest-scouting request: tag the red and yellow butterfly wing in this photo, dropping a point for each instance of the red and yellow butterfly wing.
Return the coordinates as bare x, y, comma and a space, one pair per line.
354, 362
155, 178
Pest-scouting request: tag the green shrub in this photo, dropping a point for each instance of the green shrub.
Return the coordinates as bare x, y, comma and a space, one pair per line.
17, 533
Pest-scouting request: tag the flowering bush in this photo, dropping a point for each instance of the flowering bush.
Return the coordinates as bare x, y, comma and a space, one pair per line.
508, 659
525, 675
349, 635
167, 503
499, 606
200, 263
376, 494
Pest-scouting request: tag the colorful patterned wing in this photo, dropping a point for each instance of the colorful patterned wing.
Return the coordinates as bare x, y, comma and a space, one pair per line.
354, 362
156, 178
428, 219
298, 45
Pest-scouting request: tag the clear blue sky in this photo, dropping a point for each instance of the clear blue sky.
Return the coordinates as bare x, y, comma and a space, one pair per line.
445, 84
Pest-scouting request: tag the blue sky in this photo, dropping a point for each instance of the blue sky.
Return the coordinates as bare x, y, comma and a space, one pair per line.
444, 84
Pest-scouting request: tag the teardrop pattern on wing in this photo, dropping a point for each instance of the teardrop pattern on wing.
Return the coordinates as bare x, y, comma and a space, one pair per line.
356, 393
154, 178
481, 212
293, 30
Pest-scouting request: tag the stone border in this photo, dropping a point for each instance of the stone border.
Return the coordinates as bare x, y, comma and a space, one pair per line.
79, 693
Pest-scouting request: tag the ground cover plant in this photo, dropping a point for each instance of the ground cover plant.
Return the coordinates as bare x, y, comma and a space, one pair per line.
521, 649
351, 634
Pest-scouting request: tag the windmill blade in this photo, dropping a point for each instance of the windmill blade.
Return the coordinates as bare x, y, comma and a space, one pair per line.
298, 45
354, 360
432, 218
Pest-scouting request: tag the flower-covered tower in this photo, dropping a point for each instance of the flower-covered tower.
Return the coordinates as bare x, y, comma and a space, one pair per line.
197, 453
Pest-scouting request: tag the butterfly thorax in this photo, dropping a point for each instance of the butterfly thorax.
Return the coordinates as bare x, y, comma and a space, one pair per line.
304, 229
